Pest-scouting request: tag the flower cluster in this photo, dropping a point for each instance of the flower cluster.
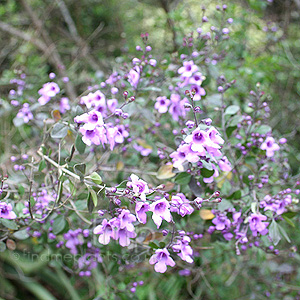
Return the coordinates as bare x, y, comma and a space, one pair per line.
25, 113
41, 204
118, 228
190, 76
201, 144
175, 106
48, 91
6, 211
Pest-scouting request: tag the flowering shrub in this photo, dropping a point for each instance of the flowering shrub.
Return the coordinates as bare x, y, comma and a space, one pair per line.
155, 161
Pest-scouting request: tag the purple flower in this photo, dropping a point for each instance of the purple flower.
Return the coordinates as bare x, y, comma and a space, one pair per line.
257, 224
270, 146
198, 140
188, 69
180, 205
224, 164
199, 91
73, 240
134, 76
142, 150
184, 153
176, 108
105, 230
90, 134
64, 105
160, 209
140, 209
6, 211
49, 90
162, 104
161, 259
25, 113
139, 186
221, 222
184, 248
126, 219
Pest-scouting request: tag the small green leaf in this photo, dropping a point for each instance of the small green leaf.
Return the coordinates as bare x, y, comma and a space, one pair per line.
274, 233
79, 144
59, 224
21, 234
153, 245
183, 178
235, 195
80, 170
224, 204
95, 177
21, 190
283, 232
232, 110
2, 246
42, 165
289, 221
93, 195
263, 129
59, 131
207, 173
10, 224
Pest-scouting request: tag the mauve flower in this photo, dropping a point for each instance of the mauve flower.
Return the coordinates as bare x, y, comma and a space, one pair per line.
221, 222
90, 134
134, 76
142, 150
199, 92
215, 137
198, 140
112, 104
196, 79
124, 237
160, 209
224, 164
184, 248
49, 89
64, 105
25, 113
176, 108
140, 209
161, 259
257, 224
180, 205
162, 104
188, 69
139, 186
270, 146
105, 230
126, 219
6, 211
152, 62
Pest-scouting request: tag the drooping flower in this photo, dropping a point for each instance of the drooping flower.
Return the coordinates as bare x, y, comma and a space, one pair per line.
134, 76
160, 209
140, 209
257, 224
139, 186
6, 211
221, 222
184, 248
161, 259
105, 230
180, 205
